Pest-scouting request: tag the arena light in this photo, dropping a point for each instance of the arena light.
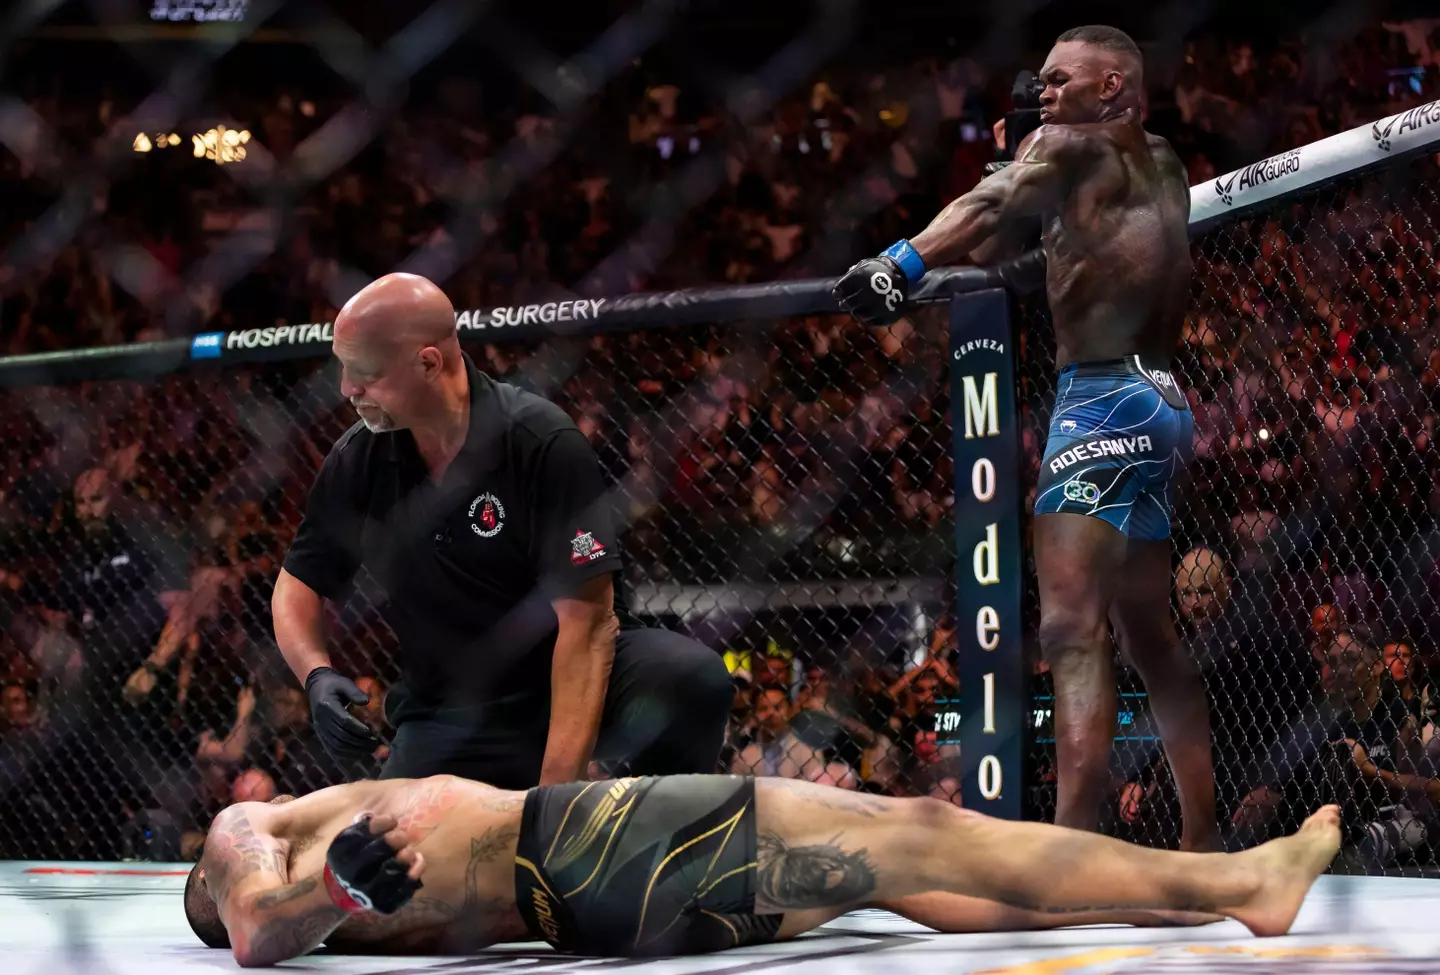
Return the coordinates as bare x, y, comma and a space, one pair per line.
162, 140
221, 145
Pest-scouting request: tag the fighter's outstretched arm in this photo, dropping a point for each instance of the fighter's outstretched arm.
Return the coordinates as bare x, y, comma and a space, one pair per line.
268, 919
1029, 187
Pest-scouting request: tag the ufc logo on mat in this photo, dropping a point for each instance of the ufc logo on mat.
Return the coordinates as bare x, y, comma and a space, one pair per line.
881, 284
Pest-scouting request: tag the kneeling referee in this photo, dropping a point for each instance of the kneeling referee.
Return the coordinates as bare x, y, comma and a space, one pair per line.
479, 509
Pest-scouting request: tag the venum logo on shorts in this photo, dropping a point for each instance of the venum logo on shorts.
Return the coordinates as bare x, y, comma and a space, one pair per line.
1161, 378
1262, 172
1067, 426
584, 548
544, 914
1082, 492
1093, 449
487, 515
1411, 121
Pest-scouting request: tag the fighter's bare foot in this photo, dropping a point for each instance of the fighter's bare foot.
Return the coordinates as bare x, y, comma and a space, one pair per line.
1287, 869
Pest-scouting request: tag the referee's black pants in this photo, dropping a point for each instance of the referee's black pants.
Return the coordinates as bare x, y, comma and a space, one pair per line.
665, 714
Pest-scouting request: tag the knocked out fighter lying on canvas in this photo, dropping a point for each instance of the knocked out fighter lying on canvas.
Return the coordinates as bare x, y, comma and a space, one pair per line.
687, 864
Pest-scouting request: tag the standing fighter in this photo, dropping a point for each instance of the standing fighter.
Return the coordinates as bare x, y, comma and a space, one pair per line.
480, 510
1114, 207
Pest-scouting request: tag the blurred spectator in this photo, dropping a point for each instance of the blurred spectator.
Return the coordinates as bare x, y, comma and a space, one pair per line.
770, 749
1400, 668
252, 785
17, 710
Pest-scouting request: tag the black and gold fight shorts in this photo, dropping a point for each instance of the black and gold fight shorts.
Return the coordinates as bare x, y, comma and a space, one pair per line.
641, 866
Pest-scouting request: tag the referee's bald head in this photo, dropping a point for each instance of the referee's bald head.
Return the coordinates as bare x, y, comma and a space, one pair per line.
401, 310
399, 355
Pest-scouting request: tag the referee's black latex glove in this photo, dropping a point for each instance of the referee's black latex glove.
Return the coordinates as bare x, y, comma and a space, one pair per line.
370, 867
874, 291
345, 737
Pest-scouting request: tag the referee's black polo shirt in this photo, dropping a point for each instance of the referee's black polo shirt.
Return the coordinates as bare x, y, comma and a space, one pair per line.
469, 565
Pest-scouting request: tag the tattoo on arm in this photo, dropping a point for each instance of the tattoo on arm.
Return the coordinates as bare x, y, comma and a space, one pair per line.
236, 852
289, 935
822, 875
274, 898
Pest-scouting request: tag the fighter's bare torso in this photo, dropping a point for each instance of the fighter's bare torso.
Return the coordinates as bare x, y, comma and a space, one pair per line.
467, 832
1117, 246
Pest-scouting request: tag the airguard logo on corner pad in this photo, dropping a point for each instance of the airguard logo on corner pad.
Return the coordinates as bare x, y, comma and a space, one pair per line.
1409, 121
1265, 171
487, 515
584, 548
206, 345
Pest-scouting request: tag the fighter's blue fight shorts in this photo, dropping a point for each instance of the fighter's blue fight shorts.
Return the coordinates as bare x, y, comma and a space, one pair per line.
1120, 435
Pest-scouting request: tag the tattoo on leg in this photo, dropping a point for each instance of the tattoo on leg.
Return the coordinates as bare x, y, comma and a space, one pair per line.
823, 875
1030, 905
857, 805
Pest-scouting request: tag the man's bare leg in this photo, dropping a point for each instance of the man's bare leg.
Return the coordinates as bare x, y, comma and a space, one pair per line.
823, 848
1141, 615
1077, 561
958, 914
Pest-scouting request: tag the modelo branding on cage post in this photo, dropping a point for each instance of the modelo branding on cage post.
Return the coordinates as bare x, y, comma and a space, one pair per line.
990, 725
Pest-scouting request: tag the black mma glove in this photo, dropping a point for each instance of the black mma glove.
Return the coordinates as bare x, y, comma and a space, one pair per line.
875, 289
362, 874
345, 737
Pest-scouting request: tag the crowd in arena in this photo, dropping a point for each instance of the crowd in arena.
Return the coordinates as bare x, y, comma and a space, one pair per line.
142, 523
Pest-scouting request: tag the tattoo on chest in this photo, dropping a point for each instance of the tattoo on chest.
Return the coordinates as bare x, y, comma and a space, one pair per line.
425, 807
429, 923
486, 913
821, 875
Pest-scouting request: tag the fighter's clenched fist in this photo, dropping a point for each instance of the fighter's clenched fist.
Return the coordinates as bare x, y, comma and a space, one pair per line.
875, 289
371, 866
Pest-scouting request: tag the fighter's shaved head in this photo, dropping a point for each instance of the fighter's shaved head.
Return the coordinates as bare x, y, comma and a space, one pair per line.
400, 309
1098, 72
1112, 40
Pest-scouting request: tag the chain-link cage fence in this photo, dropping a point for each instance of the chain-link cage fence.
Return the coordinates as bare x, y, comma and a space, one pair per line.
785, 486
1305, 538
